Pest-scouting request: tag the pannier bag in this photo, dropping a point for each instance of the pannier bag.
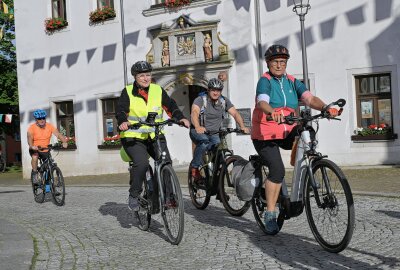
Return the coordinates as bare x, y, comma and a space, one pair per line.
244, 178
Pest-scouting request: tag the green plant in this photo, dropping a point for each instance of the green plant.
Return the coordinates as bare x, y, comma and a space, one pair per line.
112, 140
102, 14
52, 24
373, 129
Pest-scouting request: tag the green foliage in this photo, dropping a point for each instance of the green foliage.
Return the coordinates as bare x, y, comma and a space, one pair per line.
8, 63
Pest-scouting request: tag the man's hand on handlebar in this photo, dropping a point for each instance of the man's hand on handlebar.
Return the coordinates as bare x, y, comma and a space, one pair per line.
34, 148
200, 130
245, 130
124, 126
278, 117
185, 122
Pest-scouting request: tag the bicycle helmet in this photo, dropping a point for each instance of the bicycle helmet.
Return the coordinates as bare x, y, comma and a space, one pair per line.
141, 67
276, 51
215, 83
39, 114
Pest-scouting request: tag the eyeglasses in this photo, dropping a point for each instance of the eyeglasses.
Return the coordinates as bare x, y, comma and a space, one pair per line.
41, 118
215, 90
143, 75
276, 62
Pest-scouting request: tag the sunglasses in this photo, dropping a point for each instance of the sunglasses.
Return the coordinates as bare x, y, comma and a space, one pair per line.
41, 118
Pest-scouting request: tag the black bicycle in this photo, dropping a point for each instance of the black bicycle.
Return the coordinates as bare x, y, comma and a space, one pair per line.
165, 190
216, 172
51, 180
318, 185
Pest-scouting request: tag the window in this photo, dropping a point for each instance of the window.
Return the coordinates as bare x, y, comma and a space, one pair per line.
110, 124
374, 104
65, 119
58, 9
105, 3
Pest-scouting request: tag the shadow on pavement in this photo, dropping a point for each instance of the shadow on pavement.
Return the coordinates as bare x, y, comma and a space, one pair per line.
127, 218
393, 214
12, 191
306, 254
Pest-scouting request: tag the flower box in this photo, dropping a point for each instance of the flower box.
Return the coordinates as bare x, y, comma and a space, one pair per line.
374, 137
112, 140
112, 146
101, 15
176, 3
53, 24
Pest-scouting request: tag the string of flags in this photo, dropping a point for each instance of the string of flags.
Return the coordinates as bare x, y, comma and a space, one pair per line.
6, 118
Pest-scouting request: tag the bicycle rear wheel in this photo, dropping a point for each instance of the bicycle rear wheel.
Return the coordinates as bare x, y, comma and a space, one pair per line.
198, 194
57, 186
227, 191
259, 204
39, 191
144, 213
332, 220
172, 208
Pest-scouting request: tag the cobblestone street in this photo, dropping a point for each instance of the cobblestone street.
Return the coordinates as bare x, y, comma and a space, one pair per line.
95, 230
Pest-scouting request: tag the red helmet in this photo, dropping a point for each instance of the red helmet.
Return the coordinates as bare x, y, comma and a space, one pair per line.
276, 51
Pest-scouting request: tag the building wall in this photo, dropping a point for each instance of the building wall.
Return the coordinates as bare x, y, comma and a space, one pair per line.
84, 63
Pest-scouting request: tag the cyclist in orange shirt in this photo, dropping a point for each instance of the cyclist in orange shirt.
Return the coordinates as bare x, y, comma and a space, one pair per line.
39, 135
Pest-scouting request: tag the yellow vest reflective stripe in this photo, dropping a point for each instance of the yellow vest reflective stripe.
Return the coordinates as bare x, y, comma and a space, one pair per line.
138, 110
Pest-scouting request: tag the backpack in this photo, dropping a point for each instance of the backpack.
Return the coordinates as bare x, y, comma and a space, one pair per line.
244, 179
203, 95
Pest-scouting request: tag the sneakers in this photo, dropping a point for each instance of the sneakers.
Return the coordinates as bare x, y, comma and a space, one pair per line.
35, 178
271, 225
133, 204
198, 179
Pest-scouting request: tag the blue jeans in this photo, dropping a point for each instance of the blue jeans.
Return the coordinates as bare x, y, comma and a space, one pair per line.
203, 142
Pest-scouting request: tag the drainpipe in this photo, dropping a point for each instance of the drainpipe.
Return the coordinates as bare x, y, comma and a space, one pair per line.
121, 6
258, 37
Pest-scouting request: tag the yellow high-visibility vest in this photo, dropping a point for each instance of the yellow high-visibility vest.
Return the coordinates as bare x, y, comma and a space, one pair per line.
138, 110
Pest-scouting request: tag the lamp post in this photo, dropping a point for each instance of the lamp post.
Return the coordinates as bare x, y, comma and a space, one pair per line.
301, 8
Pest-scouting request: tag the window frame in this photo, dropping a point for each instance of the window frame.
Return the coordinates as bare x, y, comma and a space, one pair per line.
70, 116
62, 9
106, 115
109, 3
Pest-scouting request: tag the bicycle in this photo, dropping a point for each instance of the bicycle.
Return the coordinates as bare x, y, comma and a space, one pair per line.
51, 180
318, 185
3, 163
167, 186
216, 171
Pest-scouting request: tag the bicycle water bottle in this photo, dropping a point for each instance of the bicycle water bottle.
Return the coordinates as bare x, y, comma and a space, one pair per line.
47, 187
149, 180
207, 158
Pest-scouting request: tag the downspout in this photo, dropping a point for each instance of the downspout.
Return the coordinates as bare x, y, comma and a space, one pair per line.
123, 41
258, 37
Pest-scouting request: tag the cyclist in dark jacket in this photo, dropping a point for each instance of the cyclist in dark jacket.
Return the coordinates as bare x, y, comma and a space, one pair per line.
277, 96
135, 102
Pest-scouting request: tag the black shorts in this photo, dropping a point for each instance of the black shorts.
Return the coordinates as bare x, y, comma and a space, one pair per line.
42, 155
271, 156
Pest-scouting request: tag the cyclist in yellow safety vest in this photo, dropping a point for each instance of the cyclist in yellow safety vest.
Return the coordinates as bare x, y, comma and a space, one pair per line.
135, 102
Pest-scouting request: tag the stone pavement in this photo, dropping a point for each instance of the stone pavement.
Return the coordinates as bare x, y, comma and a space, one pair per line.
96, 230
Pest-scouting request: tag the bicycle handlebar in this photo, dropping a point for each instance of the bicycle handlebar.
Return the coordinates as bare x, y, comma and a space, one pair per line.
225, 131
156, 124
49, 147
307, 117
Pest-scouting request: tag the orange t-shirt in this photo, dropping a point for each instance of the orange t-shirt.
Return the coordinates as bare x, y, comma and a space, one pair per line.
41, 136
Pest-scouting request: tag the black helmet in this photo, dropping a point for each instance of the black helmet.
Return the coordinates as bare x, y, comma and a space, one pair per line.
276, 51
141, 67
215, 83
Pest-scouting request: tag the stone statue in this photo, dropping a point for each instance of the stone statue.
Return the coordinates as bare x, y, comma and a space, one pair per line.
207, 47
165, 54
181, 23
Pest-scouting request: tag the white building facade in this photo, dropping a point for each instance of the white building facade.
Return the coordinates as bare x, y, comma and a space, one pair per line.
77, 72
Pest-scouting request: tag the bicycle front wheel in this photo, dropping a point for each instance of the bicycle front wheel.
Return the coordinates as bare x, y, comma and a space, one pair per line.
227, 191
172, 209
330, 206
198, 194
57, 186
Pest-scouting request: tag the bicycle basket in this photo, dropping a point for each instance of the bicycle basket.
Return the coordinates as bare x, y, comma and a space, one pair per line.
244, 178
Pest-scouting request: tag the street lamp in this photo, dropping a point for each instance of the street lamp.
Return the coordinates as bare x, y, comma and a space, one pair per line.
301, 8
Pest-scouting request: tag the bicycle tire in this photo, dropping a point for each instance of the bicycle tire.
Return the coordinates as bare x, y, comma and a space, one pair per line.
3, 164
172, 209
227, 191
259, 203
144, 213
331, 205
199, 195
57, 186
39, 191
